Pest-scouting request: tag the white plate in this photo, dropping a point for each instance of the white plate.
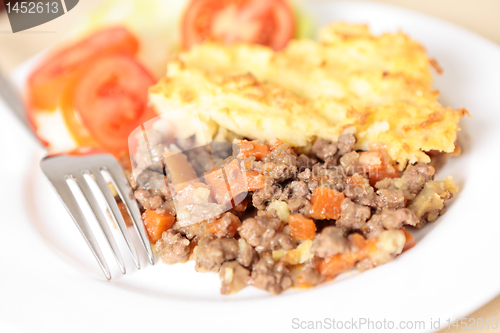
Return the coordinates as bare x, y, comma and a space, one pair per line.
49, 281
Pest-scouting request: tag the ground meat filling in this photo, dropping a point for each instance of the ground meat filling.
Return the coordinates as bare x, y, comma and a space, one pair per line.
346, 143
211, 254
360, 191
270, 275
233, 277
321, 176
311, 276
297, 195
353, 216
411, 183
415, 176
329, 242
350, 163
264, 235
389, 219
261, 198
153, 181
392, 199
306, 162
173, 247
324, 149
279, 165
147, 200
247, 254
268, 249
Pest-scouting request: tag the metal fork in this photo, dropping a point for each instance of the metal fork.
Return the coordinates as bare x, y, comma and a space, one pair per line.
89, 171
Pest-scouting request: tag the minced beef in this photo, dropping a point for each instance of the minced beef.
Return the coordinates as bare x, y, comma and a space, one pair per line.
296, 189
298, 205
270, 275
361, 192
413, 180
346, 143
264, 235
233, 277
353, 216
262, 197
311, 276
153, 181
305, 162
244, 255
415, 176
330, 241
392, 199
320, 176
297, 195
279, 165
324, 149
350, 163
247, 254
147, 200
211, 254
173, 247
389, 219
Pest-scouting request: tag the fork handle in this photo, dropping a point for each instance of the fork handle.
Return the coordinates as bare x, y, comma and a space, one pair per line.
9, 94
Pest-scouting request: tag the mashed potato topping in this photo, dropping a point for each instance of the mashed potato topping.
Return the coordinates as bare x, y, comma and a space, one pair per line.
377, 87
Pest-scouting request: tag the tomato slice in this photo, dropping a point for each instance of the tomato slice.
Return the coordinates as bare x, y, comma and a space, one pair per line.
111, 99
73, 122
46, 83
266, 22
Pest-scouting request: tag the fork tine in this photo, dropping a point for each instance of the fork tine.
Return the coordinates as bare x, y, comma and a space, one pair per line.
72, 207
87, 192
116, 214
125, 193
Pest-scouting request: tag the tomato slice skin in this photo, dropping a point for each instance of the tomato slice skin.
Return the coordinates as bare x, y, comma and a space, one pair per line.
72, 121
46, 83
111, 99
266, 22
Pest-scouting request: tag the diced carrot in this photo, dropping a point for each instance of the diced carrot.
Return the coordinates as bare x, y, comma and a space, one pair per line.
156, 224
273, 144
251, 148
326, 203
368, 246
342, 262
339, 263
301, 228
218, 186
225, 186
376, 175
302, 284
410, 240
235, 182
378, 165
217, 227
358, 240
255, 180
